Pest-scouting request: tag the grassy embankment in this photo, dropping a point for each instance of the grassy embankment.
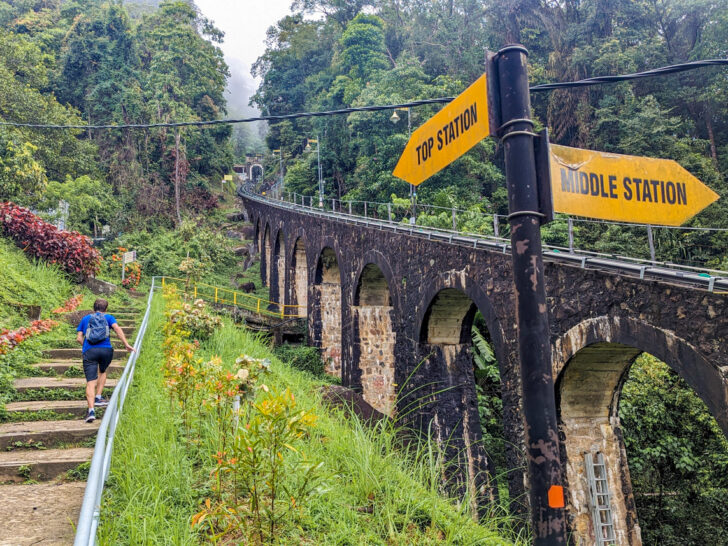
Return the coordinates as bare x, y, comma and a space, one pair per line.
370, 493
24, 283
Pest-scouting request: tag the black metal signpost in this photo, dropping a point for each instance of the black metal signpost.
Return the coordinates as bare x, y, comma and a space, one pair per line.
528, 210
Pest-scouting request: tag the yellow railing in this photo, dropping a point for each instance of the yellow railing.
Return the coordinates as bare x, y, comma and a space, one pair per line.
225, 296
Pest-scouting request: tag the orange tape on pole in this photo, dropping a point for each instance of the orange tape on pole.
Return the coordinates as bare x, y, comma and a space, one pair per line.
556, 496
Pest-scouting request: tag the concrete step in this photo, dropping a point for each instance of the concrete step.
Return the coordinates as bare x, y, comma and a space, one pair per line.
60, 366
76, 353
125, 316
44, 513
46, 464
48, 433
77, 408
28, 383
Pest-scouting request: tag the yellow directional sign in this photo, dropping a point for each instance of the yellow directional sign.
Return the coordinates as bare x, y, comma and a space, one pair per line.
228, 177
624, 187
446, 136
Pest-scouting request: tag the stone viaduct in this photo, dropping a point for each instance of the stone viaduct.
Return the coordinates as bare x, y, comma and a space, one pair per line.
392, 315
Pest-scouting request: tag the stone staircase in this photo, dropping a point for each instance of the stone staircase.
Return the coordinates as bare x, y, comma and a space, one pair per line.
46, 446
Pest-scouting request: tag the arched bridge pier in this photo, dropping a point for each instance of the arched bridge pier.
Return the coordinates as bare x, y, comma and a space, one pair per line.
391, 309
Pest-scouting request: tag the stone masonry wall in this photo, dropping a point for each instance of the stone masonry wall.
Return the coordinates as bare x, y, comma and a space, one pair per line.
330, 301
376, 359
588, 392
281, 266
268, 264
300, 279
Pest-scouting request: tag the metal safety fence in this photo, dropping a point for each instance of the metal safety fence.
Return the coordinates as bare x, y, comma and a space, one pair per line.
242, 300
647, 240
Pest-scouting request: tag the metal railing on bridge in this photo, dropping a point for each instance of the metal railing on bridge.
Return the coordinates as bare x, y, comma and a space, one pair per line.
398, 217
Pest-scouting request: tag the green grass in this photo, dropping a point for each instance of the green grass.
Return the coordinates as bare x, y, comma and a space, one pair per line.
372, 493
150, 493
27, 282
54, 394
41, 415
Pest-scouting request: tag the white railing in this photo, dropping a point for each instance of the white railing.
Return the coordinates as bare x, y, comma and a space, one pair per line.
88, 520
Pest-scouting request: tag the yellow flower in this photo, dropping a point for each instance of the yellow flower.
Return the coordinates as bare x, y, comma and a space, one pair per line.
242, 374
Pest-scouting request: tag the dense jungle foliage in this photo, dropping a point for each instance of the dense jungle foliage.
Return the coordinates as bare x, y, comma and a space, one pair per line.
89, 61
363, 52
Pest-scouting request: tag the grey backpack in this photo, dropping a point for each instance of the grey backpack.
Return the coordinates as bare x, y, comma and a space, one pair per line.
97, 329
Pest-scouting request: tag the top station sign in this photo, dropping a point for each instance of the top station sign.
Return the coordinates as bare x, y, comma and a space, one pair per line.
447, 135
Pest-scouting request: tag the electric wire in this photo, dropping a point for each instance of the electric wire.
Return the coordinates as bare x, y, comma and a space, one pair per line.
662, 71
598, 80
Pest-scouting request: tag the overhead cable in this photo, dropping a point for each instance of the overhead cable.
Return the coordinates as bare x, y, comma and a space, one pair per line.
662, 71
599, 80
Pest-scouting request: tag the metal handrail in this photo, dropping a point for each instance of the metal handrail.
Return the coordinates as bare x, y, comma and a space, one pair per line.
260, 305
88, 519
711, 279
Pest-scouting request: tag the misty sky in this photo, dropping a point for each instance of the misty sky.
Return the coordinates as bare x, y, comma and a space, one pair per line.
244, 23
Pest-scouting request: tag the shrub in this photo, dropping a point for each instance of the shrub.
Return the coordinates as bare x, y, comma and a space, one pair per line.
71, 250
160, 252
304, 358
193, 318
132, 270
11, 339
70, 305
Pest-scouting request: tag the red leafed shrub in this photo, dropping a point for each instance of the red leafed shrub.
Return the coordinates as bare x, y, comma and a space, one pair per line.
71, 250
11, 339
70, 305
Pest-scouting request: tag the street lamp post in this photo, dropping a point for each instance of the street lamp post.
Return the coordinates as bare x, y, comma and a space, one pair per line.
279, 151
318, 159
412, 188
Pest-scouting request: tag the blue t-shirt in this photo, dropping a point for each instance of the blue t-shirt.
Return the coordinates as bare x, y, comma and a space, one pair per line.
83, 325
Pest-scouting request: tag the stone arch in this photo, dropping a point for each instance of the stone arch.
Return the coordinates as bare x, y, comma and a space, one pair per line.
327, 281
590, 364
449, 318
299, 276
374, 338
278, 271
256, 240
265, 256
471, 289
445, 344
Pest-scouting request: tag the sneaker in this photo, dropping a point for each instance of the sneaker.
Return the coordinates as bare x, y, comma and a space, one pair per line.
101, 401
91, 417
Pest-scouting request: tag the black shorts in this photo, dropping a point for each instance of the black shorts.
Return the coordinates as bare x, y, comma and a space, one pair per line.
96, 360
